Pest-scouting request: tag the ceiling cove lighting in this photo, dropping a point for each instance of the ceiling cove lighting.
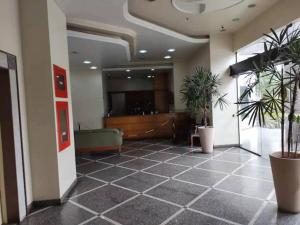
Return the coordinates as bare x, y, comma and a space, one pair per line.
167, 57
87, 62
171, 50
93, 67
128, 70
143, 51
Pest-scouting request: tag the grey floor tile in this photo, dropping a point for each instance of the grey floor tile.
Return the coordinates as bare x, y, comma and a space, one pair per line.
142, 211
160, 156
63, 215
239, 158
117, 159
259, 161
84, 184
91, 167
138, 144
81, 161
140, 181
247, 186
139, 164
178, 150
202, 177
192, 218
177, 192
255, 172
222, 166
200, 154
271, 216
104, 198
228, 206
167, 170
98, 221
97, 156
222, 149
156, 147
186, 160
138, 153
112, 174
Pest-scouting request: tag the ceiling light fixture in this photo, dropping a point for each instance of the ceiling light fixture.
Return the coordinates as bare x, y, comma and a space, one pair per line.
149, 76
143, 51
222, 29
128, 70
87, 62
171, 50
167, 57
152, 69
128, 77
252, 5
93, 67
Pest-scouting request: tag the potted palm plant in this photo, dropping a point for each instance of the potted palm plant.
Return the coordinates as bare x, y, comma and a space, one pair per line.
279, 100
198, 91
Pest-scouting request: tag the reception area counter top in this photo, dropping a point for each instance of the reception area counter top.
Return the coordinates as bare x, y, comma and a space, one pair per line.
149, 126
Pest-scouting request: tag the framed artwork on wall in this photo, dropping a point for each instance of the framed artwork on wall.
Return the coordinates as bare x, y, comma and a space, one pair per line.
63, 125
60, 82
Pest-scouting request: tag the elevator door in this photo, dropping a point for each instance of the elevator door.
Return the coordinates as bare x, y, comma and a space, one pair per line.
14, 200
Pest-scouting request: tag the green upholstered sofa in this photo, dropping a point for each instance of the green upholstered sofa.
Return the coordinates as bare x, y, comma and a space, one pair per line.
98, 140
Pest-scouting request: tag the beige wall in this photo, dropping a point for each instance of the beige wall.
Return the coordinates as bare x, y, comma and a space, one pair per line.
88, 104
200, 58
281, 14
60, 56
180, 70
221, 57
10, 41
49, 47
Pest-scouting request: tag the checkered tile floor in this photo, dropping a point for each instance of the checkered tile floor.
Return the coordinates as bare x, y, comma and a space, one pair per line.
154, 182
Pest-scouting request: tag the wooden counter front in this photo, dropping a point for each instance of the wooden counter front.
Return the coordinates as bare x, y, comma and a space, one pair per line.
149, 126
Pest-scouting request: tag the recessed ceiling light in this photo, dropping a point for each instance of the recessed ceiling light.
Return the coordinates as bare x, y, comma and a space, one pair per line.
149, 76
93, 67
128, 70
222, 29
129, 77
252, 5
152, 69
167, 57
171, 50
236, 19
87, 62
153, 76
143, 51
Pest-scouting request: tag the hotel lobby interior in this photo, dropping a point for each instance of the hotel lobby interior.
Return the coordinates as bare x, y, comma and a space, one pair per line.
149, 112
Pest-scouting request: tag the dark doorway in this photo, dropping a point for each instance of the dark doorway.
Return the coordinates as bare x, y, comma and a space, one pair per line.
12, 153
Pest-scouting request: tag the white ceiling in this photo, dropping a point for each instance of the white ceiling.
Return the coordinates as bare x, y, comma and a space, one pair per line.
154, 38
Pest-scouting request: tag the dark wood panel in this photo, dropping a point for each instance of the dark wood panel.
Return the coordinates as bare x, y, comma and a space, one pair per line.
150, 126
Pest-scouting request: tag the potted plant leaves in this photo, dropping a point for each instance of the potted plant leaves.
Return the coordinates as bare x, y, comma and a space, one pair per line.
279, 100
198, 92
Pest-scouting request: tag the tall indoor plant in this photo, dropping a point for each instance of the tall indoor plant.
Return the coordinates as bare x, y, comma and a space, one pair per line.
197, 91
278, 101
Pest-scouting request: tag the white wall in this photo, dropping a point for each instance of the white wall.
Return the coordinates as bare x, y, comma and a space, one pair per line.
60, 57
10, 41
88, 102
221, 57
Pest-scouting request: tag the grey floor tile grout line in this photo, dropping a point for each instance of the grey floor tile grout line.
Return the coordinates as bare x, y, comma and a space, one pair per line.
198, 197
163, 200
257, 214
110, 220
83, 207
253, 178
172, 217
127, 189
118, 205
40, 211
215, 217
86, 192
89, 220
110, 166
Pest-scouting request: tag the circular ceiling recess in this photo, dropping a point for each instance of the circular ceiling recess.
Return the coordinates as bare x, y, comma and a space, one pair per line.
204, 6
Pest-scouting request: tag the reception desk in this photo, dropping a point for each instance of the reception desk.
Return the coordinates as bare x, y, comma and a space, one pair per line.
150, 126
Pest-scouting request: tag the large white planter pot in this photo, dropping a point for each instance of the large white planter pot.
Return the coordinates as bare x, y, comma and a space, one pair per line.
206, 139
286, 176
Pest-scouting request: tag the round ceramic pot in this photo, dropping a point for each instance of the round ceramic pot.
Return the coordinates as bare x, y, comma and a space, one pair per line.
286, 176
207, 139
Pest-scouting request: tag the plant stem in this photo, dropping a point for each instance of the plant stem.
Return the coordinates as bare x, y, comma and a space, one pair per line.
282, 115
291, 115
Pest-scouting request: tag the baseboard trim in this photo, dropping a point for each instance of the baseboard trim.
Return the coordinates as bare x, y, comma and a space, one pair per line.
227, 146
51, 202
